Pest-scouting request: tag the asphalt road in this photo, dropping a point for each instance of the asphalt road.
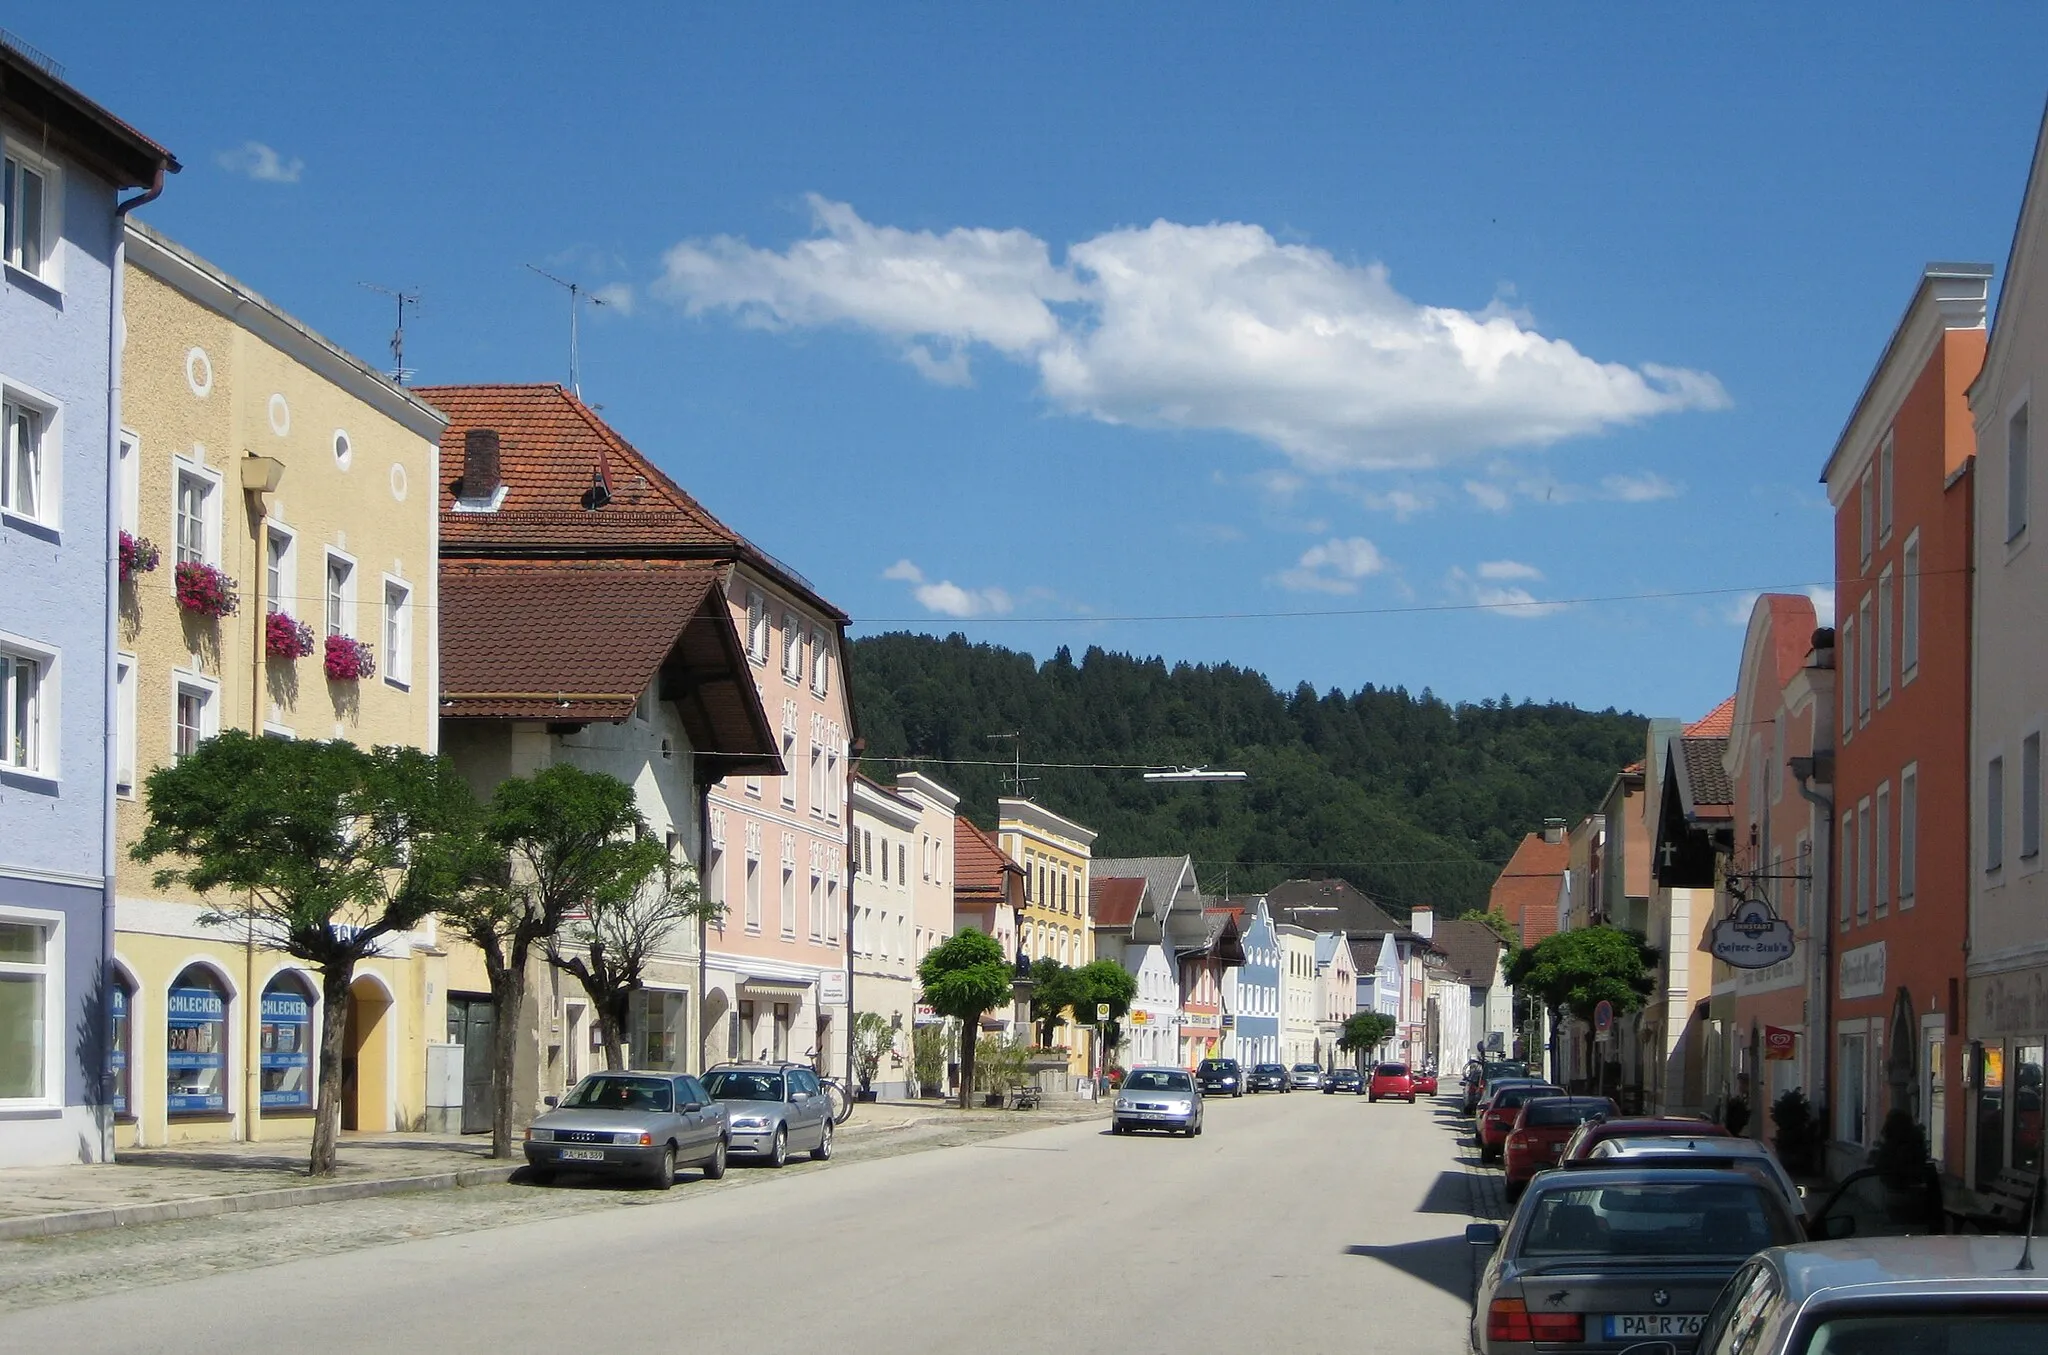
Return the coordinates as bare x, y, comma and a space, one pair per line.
1294, 1224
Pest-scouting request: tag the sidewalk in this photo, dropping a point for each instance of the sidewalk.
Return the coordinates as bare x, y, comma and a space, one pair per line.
155, 1185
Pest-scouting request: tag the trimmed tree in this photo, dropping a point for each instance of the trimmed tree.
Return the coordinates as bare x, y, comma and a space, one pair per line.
1052, 992
331, 849
1095, 983
606, 944
872, 1038
964, 976
1576, 971
1365, 1032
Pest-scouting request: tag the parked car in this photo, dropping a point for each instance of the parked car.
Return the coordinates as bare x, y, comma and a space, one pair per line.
1598, 1260
1158, 1098
1306, 1077
1343, 1080
774, 1110
1266, 1077
1480, 1085
1886, 1295
638, 1124
1497, 1115
1731, 1150
1425, 1082
1391, 1080
1538, 1137
1593, 1132
1219, 1077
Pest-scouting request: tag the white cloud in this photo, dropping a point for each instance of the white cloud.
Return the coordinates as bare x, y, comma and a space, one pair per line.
1402, 503
1335, 566
1488, 496
1508, 569
617, 295
1823, 596
1485, 586
260, 163
1644, 488
948, 598
1213, 327
1515, 602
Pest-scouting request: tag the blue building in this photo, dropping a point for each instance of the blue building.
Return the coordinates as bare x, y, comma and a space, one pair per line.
67, 163
1257, 1001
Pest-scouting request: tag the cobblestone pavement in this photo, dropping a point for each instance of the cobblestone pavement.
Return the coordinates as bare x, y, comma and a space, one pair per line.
39, 1271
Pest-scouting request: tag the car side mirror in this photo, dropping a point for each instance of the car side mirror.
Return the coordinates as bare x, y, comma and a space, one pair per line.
551, 1101
1483, 1234
1835, 1227
689, 1106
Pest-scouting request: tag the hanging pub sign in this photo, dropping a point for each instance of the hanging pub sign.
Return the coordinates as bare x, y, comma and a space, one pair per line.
1751, 937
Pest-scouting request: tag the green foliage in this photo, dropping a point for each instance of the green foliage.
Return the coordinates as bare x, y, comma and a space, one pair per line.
872, 1038
607, 943
1577, 970
964, 976
1365, 1032
999, 1065
1900, 1153
1800, 1131
1097, 982
1052, 991
1497, 922
928, 1056
1437, 795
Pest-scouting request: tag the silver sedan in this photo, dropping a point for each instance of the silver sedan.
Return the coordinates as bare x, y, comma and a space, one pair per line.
637, 1124
1158, 1098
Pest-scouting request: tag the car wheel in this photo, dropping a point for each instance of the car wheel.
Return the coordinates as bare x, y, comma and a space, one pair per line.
539, 1176
778, 1152
714, 1167
823, 1152
665, 1170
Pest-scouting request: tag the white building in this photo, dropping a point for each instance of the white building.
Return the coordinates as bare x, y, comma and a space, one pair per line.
885, 824
1130, 929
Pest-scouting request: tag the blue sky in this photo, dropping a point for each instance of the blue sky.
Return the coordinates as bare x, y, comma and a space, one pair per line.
1019, 322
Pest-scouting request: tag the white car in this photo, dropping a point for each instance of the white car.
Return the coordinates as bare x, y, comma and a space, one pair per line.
1158, 1098
1305, 1077
1741, 1151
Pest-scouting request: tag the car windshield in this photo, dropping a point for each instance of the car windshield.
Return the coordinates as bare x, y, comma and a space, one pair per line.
1495, 1071
1983, 1331
1269, 1069
1391, 1070
1308, 1068
607, 1092
1157, 1080
1218, 1066
740, 1084
1553, 1111
1653, 1219
1511, 1098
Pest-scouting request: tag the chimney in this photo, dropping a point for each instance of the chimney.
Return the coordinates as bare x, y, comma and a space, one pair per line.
1553, 831
1422, 921
480, 478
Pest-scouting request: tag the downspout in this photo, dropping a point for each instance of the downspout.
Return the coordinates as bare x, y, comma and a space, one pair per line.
854, 751
1802, 770
702, 788
103, 1109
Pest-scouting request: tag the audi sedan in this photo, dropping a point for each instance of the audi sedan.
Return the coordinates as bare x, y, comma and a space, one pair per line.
632, 1124
1266, 1077
1305, 1077
1157, 1098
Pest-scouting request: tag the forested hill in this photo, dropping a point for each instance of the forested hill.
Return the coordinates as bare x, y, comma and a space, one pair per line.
1409, 797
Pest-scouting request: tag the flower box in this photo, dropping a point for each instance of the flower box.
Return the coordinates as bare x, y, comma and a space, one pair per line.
205, 590
139, 555
348, 659
286, 637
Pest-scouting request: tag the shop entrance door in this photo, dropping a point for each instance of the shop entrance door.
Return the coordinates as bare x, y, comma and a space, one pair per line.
469, 1025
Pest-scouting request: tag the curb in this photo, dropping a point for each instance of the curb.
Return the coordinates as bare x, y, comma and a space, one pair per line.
209, 1206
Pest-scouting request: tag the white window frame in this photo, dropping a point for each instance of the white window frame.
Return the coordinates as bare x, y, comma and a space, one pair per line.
2030, 799
50, 271
209, 713
55, 1025
792, 649
1880, 852
1866, 514
2019, 472
127, 771
1845, 903
1846, 1112
1994, 813
1886, 489
281, 592
821, 664
44, 745
49, 456
347, 600
1909, 608
396, 664
1884, 637
129, 450
209, 507
1909, 834
1864, 683
1846, 660
1802, 888
757, 627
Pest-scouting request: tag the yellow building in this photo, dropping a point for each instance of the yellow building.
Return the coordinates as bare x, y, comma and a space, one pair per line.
272, 463
1055, 853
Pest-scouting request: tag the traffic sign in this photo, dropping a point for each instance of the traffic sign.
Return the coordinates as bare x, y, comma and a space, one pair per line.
1102, 1011
1603, 1017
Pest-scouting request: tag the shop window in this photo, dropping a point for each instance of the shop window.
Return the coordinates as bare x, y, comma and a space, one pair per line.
196, 1051
287, 1045
120, 1041
2026, 1107
1851, 1112
656, 1025
26, 1021
1991, 1116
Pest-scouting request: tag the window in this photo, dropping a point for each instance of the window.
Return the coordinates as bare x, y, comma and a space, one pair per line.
832, 908
821, 664
902, 870
714, 882
1881, 852
2017, 454
130, 451
21, 712
397, 633
24, 471
31, 200
817, 779
341, 595
193, 516
1909, 835
817, 899
1847, 684
1884, 489
195, 1056
1884, 637
834, 786
753, 894
124, 732
1851, 1119
2030, 797
280, 570
1909, 609
1802, 893
120, 1043
1994, 814
757, 628
30, 1027
1847, 888
287, 1045
885, 860
788, 777
1864, 682
195, 719
788, 899
1866, 516
792, 648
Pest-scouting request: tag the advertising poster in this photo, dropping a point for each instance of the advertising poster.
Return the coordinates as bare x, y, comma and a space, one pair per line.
196, 1061
287, 1048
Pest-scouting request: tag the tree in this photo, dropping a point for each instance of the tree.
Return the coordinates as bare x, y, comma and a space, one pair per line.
1096, 983
872, 1038
1497, 922
1365, 1032
962, 977
561, 839
1576, 971
607, 943
1052, 992
332, 848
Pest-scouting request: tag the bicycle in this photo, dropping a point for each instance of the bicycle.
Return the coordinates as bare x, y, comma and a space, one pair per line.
841, 1099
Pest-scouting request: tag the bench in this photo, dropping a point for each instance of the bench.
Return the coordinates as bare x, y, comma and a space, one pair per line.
2005, 1203
1024, 1098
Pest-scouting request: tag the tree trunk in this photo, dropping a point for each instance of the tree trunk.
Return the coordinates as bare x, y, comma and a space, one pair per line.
614, 1046
970, 1034
508, 995
335, 978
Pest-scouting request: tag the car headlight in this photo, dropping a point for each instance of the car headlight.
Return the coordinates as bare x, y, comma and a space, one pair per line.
750, 1122
1230, 1082
540, 1135
1122, 1104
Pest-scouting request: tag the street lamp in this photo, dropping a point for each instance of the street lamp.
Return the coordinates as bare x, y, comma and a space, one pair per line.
1188, 774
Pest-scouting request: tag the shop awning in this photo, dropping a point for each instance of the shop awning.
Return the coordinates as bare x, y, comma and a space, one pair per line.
775, 987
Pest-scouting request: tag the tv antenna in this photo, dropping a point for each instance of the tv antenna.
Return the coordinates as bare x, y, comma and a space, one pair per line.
399, 371
578, 294
1017, 778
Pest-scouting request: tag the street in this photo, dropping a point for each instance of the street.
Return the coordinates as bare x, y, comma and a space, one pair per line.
1300, 1223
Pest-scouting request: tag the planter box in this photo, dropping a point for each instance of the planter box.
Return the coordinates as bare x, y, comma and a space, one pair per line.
993, 1100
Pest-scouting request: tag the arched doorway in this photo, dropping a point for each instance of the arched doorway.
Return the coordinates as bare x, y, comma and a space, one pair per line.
712, 1029
366, 1057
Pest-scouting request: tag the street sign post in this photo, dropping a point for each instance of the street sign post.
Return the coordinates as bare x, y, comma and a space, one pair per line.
1102, 1011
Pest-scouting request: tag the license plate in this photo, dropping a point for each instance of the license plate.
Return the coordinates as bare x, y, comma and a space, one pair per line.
1630, 1326
582, 1155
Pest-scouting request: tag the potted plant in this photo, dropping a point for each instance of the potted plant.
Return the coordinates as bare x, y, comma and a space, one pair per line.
872, 1038
928, 1059
139, 555
285, 637
205, 590
348, 659
998, 1069
1903, 1165
1798, 1131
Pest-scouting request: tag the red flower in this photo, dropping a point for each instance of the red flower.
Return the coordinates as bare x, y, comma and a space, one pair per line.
206, 590
285, 638
139, 555
348, 659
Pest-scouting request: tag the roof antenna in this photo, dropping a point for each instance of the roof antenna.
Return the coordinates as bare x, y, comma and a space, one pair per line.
577, 293
2033, 1213
400, 373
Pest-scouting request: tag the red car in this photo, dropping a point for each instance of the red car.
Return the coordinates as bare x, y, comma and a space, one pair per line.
1538, 1138
1425, 1084
1391, 1079
1580, 1145
1497, 1116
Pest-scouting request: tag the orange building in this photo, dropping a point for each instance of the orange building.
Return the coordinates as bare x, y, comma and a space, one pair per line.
1900, 483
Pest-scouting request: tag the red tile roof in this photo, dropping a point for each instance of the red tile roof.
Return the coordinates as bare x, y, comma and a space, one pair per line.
1717, 723
1526, 891
979, 865
1115, 902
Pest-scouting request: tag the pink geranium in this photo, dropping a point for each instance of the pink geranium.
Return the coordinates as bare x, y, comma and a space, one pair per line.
285, 637
348, 659
205, 590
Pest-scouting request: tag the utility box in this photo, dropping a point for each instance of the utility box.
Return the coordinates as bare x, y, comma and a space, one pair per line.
444, 1088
